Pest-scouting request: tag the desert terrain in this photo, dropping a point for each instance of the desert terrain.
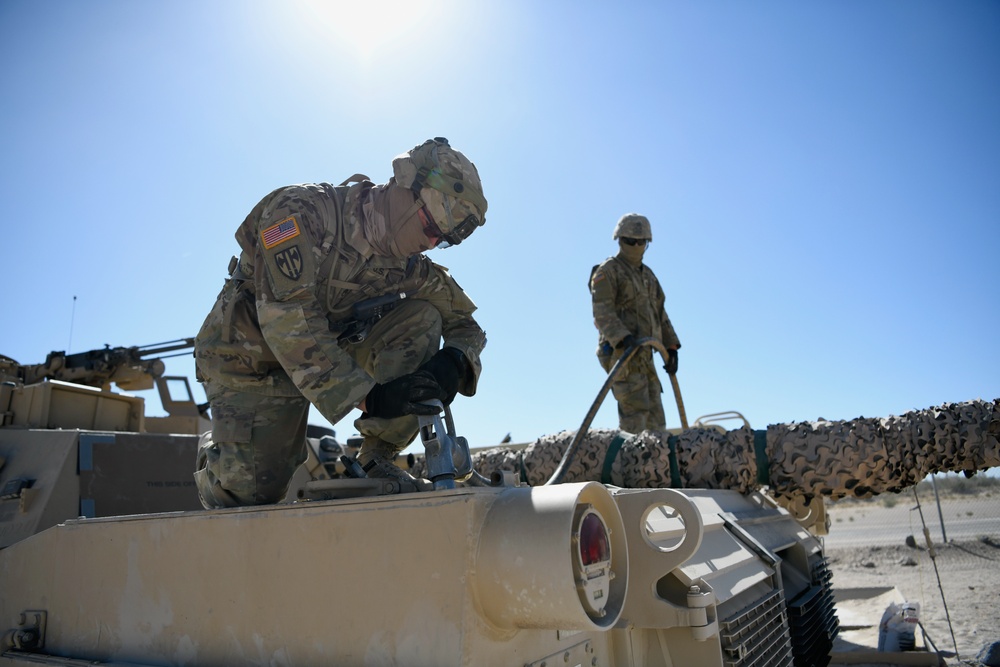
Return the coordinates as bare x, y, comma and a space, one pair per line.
880, 544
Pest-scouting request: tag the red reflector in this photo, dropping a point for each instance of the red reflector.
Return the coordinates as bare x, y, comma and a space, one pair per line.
594, 546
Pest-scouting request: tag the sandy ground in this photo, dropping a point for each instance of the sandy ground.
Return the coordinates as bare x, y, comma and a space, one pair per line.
968, 567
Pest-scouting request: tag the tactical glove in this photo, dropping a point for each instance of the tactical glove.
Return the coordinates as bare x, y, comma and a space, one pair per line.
448, 368
626, 342
671, 366
403, 396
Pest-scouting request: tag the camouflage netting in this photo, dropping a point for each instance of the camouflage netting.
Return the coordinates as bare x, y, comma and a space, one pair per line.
864, 457
861, 457
706, 459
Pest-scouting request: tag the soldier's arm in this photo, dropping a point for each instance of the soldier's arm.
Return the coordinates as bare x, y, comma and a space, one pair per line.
603, 287
292, 319
459, 329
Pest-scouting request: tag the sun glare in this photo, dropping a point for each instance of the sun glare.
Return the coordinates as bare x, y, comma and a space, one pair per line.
373, 30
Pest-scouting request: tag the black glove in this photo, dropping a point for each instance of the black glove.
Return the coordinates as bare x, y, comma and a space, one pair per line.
402, 396
626, 342
671, 366
448, 369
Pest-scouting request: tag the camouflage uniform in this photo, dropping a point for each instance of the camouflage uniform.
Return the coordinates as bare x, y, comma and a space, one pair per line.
273, 342
628, 300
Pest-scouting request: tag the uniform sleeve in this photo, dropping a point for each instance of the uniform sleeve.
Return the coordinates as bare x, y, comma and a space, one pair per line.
292, 319
603, 288
459, 329
669, 335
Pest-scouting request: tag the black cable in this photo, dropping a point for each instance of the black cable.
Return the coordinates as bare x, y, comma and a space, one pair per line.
571, 451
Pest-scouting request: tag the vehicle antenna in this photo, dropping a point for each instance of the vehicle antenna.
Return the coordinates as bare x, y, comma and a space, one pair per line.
72, 316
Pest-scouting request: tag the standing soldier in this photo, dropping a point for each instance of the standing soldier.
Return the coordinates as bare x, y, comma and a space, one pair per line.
332, 303
628, 305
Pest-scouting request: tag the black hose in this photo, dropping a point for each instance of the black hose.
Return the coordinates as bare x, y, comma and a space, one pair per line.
571, 451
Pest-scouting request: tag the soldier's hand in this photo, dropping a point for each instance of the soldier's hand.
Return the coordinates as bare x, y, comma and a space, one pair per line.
626, 342
403, 396
448, 368
671, 365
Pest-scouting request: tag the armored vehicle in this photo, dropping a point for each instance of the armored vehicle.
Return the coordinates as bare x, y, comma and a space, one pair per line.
697, 546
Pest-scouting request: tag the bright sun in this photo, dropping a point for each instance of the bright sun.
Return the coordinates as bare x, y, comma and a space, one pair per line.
372, 30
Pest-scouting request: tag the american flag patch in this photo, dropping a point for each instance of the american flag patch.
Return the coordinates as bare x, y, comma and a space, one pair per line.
279, 233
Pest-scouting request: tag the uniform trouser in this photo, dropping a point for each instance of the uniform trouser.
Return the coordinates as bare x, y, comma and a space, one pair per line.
258, 441
637, 391
255, 445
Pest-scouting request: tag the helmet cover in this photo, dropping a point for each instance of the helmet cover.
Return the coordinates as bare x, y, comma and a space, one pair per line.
447, 182
633, 226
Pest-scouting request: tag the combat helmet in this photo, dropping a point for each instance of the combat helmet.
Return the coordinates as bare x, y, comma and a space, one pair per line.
449, 185
633, 226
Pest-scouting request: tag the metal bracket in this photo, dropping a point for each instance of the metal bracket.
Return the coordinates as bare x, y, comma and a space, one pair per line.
335, 489
29, 635
15, 487
578, 654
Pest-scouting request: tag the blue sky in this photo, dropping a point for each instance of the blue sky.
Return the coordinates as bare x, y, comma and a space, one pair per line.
823, 181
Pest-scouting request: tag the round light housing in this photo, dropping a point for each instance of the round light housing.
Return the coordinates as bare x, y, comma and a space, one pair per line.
592, 561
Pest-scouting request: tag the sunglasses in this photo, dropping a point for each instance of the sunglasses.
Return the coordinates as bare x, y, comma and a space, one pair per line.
460, 233
634, 241
431, 230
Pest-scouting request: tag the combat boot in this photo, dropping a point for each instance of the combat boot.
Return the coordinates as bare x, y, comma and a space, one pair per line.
375, 458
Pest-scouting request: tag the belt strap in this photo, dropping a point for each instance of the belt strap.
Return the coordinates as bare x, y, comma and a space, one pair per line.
609, 458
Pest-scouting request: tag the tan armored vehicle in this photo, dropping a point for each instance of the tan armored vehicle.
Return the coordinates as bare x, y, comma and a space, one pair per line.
546, 558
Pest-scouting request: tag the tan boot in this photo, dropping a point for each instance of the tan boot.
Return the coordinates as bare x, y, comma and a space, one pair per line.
376, 459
